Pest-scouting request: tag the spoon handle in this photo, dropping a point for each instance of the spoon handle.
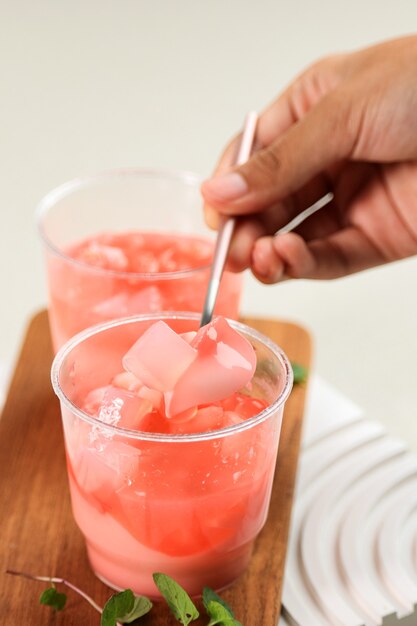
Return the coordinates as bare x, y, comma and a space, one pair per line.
227, 227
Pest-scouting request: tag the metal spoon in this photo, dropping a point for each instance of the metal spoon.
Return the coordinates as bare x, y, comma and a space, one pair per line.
225, 233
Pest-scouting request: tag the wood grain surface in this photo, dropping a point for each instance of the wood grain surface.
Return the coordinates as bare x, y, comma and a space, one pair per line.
38, 534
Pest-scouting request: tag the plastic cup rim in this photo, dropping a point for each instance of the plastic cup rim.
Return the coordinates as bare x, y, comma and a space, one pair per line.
162, 437
56, 194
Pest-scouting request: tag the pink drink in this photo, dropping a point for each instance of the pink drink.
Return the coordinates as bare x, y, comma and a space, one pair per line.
124, 243
186, 496
120, 274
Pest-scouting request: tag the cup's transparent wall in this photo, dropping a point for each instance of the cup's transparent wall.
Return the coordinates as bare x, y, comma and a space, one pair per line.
188, 508
140, 200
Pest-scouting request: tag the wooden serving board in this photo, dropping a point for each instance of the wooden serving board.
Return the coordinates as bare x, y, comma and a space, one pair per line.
39, 536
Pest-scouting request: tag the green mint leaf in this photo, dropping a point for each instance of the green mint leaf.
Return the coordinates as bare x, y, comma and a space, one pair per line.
141, 606
220, 615
117, 607
52, 598
177, 598
209, 595
300, 373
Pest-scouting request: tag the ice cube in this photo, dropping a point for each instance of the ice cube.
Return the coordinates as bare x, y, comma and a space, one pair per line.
107, 257
130, 302
93, 400
137, 240
115, 306
123, 408
245, 406
146, 262
103, 470
148, 299
159, 358
236, 445
224, 526
230, 418
167, 260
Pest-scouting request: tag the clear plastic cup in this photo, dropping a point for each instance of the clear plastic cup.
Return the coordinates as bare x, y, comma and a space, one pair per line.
125, 201
188, 505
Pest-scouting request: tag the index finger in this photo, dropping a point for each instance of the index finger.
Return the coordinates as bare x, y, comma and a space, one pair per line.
275, 120
289, 107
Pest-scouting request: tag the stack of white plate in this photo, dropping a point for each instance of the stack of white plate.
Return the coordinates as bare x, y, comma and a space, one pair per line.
352, 555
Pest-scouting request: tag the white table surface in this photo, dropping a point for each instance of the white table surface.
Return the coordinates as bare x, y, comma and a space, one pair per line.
86, 86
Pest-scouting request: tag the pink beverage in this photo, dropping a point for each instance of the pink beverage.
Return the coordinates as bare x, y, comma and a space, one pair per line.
185, 495
127, 242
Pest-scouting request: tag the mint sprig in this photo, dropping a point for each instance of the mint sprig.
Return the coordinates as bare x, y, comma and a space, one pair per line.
51, 597
177, 598
141, 606
221, 615
124, 608
209, 596
300, 373
54, 580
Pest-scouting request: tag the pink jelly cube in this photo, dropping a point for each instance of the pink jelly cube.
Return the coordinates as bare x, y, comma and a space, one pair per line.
188, 337
159, 357
128, 381
203, 420
225, 363
155, 397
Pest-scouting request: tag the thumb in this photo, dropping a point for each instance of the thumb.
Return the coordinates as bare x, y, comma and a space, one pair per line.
327, 134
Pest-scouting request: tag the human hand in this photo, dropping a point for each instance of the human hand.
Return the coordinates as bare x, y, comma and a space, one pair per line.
348, 124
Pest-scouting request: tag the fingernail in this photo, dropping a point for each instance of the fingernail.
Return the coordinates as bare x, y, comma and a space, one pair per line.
226, 186
212, 218
261, 257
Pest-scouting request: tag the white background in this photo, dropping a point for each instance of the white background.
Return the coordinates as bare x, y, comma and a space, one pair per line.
87, 85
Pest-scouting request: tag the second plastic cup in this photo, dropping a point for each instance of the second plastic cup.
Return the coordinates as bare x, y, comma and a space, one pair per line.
131, 204
188, 505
